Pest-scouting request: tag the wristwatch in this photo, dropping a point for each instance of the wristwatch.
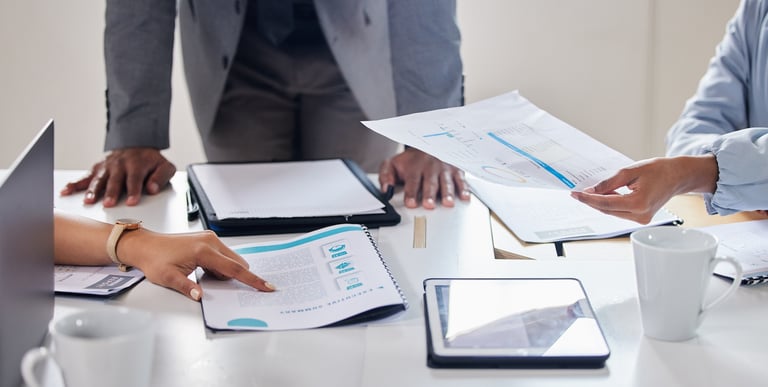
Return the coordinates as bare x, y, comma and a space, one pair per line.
121, 225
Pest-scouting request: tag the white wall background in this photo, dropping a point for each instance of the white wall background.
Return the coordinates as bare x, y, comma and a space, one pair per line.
619, 70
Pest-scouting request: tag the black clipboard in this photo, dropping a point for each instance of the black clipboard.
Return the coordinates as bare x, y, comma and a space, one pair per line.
281, 225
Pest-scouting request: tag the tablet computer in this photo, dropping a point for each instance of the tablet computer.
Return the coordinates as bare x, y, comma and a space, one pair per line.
511, 322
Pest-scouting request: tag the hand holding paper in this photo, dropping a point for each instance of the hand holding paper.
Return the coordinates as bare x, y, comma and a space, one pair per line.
507, 140
651, 184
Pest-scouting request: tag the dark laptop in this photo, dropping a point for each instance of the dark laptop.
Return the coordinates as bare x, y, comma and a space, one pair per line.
26, 254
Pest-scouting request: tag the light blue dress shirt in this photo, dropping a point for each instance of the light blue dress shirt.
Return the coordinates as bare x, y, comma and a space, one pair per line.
728, 115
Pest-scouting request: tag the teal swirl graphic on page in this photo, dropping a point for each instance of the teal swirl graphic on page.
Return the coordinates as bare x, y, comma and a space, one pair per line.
336, 249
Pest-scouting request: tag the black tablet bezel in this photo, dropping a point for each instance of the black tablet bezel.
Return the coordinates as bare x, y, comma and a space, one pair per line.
482, 359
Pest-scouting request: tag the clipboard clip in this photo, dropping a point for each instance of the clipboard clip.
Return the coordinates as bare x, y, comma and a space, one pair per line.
390, 193
193, 209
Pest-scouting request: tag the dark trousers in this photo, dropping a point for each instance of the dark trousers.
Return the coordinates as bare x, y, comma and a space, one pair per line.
291, 102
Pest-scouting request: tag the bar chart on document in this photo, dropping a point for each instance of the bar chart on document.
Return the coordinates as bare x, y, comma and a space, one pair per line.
507, 140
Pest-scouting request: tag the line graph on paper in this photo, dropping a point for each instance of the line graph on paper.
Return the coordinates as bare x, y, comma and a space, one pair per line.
507, 140
522, 156
549, 155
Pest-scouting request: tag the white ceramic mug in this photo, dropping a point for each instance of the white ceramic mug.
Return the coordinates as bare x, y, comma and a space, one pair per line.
673, 266
101, 347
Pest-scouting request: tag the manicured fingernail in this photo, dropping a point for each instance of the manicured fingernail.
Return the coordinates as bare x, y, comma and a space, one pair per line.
590, 190
109, 202
153, 188
89, 195
448, 198
431, 202
195, 294
269, 286
410, 202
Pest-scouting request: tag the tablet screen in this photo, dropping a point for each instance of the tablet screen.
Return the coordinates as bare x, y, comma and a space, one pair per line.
512, 317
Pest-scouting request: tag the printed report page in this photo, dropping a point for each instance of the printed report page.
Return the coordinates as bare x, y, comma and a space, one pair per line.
321, 278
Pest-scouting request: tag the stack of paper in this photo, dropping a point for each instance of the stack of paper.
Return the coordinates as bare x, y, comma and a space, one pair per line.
523, 162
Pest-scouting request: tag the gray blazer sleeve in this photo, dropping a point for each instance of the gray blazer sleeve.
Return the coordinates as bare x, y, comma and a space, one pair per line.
426, 61
138, 53
398, 56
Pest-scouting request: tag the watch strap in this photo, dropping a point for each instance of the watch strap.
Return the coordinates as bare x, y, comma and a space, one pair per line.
114, 238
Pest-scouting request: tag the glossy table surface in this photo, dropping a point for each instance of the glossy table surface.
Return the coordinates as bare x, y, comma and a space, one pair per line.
730, 348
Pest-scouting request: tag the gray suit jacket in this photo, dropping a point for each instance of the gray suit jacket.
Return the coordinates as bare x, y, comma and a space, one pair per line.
398, 57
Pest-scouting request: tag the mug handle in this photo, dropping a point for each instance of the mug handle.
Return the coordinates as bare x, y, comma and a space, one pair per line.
734, 285
39, 369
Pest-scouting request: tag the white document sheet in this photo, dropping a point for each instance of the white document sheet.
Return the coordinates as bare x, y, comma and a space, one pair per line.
507, 140
539, 215
747, 243
286, 190
94, 280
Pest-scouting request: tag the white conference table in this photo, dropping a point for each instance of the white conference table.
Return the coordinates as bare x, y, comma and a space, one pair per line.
731, 347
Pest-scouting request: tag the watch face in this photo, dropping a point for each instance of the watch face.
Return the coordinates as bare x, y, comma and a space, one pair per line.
128, 221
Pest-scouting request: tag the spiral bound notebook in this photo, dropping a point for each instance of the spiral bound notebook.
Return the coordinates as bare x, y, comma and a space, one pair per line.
746, 242
332, 276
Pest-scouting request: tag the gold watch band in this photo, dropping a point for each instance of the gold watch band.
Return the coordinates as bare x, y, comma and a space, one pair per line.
121, 225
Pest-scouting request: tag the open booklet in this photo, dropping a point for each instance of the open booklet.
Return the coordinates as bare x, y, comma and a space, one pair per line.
538, 215
94, 280
334, 275
744, 241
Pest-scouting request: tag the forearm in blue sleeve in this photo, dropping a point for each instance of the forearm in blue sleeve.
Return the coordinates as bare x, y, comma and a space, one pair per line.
720, 104
742, 159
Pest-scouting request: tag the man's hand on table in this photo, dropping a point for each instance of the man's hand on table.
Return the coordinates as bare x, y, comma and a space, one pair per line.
129, 170
425, 176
